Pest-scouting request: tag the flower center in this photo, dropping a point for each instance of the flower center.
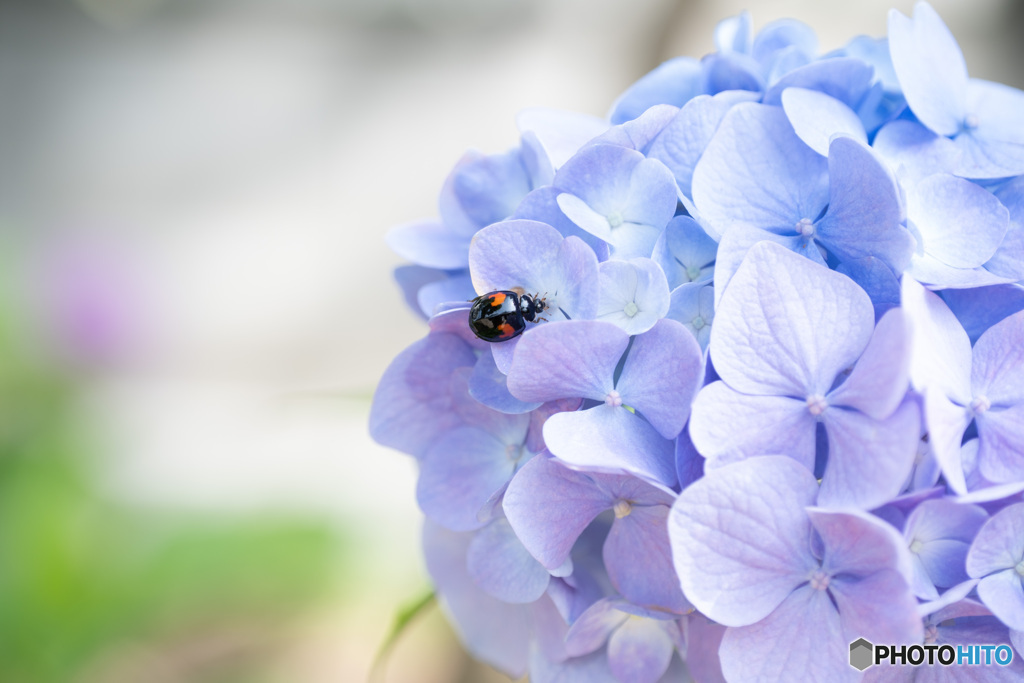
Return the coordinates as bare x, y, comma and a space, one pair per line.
979, 405
622, 508
805, 227
916, 546
819, 580
631, 309
971, 121
692, 273
816, 404
1020, 568
613, 399
698, 323
615, 219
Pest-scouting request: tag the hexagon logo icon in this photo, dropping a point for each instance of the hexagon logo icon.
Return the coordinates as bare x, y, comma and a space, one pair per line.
862, 654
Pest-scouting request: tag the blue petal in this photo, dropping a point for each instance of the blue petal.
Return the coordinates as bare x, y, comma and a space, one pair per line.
1008, 260
489, 188
930, 67
992, 141
728, 71
961, 223
844, 78
639, 133
879, 380
673, 82
682, 142
685, 252
433, 295
914, 152
542, 205
693, 305
875, 278
411, 279
864, 212
734, 34
757, 173
817, 117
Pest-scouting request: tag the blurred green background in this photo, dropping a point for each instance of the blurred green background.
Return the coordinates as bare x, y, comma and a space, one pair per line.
196, 303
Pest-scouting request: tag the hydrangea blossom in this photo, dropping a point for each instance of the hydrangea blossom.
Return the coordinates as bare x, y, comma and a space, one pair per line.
774, 401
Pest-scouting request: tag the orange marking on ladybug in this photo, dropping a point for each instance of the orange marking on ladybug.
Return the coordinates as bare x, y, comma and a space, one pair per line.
506, 330
497, 299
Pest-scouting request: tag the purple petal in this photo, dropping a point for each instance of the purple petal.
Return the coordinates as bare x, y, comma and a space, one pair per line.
634, 294
879, 380
639, 560
590, 668
549, 506
491, 630
434, 295
732, 185
574, 359
1001, 444
490, 387
999, 544
661, 376
876, 279
868, 459
859, 544
864, 213
703, 638
816, 118
879, 607
788, 326
803, 634
998, 369
611, 439
535, 257
1003, 593
930, 68
593, 627
412, 404
459, 474
961, 223
639, 651
728, 426
947, 422
740, 538
499, 564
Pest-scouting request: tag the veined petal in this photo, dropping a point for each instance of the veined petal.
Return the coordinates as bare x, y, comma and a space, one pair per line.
817, 117
740, 538
728, 426
879, 380
499, 564
788, 326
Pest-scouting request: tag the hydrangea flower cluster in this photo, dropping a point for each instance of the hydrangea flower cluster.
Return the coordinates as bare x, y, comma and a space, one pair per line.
775, 400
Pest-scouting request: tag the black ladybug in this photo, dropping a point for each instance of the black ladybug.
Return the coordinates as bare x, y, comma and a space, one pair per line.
501, 315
